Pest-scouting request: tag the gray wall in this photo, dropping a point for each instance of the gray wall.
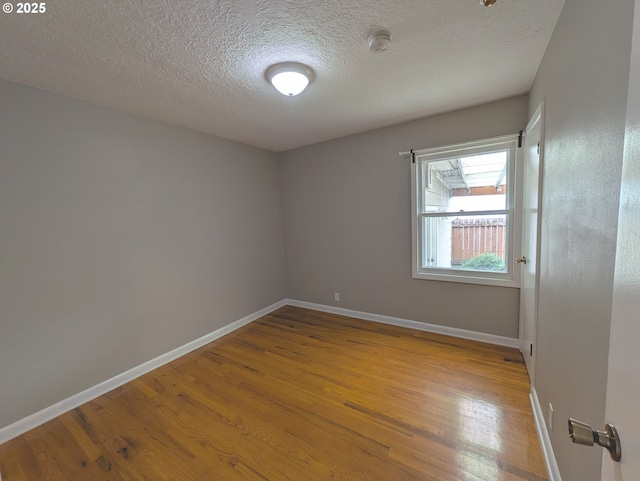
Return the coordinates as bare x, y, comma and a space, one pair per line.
583, 79
347, 223
121, 238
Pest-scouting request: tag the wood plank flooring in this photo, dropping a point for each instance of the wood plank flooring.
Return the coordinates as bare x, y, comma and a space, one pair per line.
300, 395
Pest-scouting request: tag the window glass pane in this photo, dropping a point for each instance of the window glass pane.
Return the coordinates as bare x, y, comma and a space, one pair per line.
476, 182
476, 243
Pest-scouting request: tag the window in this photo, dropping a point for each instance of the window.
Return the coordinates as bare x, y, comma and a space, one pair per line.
464, 212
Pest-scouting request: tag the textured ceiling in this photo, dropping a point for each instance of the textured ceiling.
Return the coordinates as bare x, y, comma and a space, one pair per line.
201, 63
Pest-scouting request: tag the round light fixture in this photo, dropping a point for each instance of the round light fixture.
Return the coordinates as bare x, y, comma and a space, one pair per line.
289, 78
487, 3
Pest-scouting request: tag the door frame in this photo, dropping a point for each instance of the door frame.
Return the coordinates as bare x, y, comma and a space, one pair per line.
538, 116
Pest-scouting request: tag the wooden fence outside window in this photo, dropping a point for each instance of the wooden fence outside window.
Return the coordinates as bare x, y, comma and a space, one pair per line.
472, 237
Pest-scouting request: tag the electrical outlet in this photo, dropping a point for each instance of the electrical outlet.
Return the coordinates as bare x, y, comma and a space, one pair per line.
336, 296
550, 417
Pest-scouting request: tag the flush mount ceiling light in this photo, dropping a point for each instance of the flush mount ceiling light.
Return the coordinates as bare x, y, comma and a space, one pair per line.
487, 3
289, 78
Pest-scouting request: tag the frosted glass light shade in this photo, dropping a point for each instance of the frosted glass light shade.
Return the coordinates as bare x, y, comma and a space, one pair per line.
290, 83
289, 78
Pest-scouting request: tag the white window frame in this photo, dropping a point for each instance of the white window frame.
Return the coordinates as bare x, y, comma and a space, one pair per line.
510, 278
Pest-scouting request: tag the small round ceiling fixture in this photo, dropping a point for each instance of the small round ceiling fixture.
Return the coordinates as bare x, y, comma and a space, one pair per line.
379, 41
289, 78
487, 3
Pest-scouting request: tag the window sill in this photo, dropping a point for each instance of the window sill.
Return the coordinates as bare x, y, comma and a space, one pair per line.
468, 279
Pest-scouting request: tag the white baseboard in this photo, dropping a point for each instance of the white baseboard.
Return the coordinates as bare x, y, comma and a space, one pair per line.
34, 420
421, 326
545, 440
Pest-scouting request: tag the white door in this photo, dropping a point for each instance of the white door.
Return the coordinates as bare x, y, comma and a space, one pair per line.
623, 385
530, 239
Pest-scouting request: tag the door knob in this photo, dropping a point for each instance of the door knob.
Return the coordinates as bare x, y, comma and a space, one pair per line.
521, 260
581, 433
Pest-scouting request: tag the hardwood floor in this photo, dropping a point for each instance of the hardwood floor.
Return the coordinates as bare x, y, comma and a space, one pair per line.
301, 395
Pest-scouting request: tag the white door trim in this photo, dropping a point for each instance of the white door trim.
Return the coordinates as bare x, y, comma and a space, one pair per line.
524, 344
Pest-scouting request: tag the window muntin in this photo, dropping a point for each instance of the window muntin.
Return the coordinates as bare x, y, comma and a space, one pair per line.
464, 204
